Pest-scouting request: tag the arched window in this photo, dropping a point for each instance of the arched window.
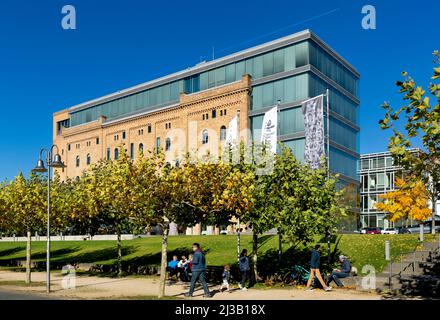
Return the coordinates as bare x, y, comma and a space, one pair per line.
141, 147
88, 159
77, 161
116, 154
222, 133
167, 144
205, 137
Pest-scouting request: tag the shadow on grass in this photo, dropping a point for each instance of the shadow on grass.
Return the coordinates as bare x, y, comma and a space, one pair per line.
8, 252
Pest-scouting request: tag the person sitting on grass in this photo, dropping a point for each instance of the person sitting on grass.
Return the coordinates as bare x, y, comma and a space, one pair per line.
343, 272
172, 267
314, 269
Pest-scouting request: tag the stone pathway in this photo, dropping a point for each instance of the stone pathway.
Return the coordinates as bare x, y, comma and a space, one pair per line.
90, 287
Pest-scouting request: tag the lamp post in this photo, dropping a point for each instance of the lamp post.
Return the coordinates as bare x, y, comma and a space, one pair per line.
52, 161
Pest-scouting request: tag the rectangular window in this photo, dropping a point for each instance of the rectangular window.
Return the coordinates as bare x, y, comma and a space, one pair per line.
157, 144
249, 67
108, 153
240, 70
257, 67
302, 55
214, 113
365, 164
278, 61
291, 121
68, 147
123, 134
149, 128
268, 64
289, 58
230, 73
204, 81
132, 151
97, 140
211, 78
220, 76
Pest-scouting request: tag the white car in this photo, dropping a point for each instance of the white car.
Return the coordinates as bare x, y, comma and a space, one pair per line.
389, 231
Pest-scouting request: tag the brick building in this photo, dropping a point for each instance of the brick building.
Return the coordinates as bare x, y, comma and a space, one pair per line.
191, 109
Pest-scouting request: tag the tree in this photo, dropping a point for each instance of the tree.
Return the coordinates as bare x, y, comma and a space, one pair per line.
161, 200
421, 123
409, 201
25, 200
307, 201
61, 204
4, 212
259, 216
109, 192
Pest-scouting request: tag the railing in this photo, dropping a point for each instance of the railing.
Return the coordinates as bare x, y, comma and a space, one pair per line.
413, 264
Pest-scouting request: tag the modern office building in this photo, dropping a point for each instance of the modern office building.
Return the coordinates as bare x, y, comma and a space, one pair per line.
377, 173
199, 102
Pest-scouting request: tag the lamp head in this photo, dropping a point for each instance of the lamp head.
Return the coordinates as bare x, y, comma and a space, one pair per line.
40, 166
57, 163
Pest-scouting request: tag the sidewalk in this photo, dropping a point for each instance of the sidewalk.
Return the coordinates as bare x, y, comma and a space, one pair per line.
91, 287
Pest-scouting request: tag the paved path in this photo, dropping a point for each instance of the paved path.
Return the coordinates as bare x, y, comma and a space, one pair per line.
8, 294
90, 287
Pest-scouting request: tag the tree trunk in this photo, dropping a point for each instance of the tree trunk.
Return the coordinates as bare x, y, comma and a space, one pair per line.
28, 257
118, 232
280, 246
163, 264
255, 255
434, 207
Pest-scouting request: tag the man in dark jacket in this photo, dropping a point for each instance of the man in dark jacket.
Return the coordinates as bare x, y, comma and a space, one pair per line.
343, 272
198, 271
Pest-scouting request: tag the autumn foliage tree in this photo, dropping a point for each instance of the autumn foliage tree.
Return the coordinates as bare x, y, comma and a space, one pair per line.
420, 117
24, 200
409, 201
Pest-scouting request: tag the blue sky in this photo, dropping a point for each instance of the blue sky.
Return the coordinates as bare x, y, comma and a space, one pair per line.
117, 44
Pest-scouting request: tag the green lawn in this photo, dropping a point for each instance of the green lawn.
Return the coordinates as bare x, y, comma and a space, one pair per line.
362, 249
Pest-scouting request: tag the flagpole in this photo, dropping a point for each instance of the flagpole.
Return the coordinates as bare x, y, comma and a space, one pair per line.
280, 240
327, 94
328, 132
238, 220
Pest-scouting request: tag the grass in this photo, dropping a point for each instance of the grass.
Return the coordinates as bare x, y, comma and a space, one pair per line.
220, 250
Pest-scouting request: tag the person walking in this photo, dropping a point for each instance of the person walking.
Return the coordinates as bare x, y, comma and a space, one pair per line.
198, 269
314, 269
226, 277
243, 265
343, 272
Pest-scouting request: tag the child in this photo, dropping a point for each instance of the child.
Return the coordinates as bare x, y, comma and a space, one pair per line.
226, 277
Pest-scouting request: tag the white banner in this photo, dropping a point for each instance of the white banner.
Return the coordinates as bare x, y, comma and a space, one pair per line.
232, 132
313, 111
269, 129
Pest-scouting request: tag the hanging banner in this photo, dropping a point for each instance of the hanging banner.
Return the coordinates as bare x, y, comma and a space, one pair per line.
269, 129
313, 111
232, 132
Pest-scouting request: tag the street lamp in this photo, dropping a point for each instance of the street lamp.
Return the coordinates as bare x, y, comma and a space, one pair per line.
52, 161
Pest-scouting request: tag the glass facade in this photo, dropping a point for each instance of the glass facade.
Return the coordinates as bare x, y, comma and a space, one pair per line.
279, 77
377, 174
284, 59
